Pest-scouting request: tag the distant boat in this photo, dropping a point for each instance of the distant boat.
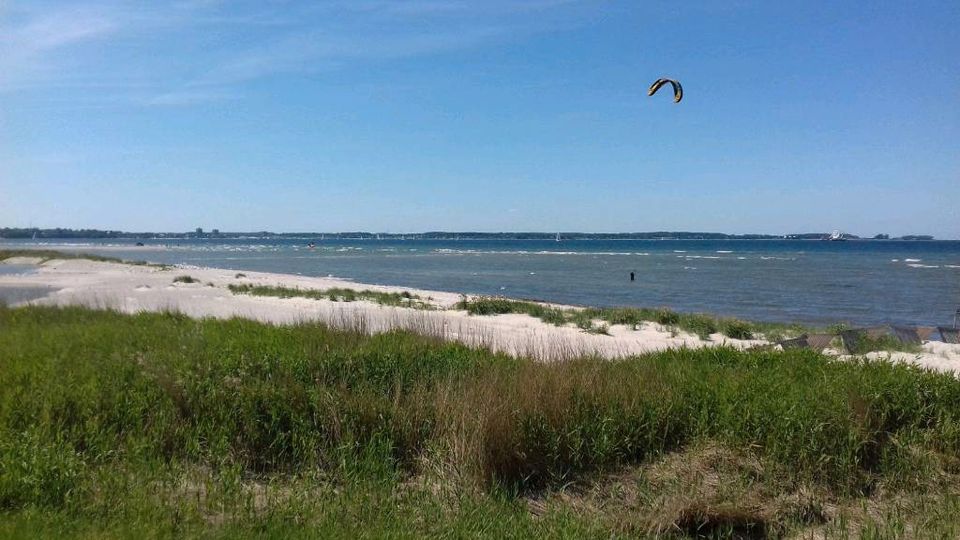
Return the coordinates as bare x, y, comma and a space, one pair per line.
558, 237
836, 236
34, 235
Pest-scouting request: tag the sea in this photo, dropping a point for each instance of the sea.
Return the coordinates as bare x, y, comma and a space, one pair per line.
804, 281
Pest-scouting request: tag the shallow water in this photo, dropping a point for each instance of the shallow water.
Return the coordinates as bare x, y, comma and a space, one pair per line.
8, 269
813, 282
14, 295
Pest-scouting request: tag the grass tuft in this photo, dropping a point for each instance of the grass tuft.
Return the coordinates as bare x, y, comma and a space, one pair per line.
401, 299
695, 323
46, 255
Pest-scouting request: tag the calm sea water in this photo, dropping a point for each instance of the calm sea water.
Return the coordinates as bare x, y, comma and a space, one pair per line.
804, 281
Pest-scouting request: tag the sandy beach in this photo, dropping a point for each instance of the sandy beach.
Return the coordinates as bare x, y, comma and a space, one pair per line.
132, 288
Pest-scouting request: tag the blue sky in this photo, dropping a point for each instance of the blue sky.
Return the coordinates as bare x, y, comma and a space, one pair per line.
488, 115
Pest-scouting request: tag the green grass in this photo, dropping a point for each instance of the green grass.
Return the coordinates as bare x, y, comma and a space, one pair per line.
865, 344
402, 299
49, 255
160, 425
185, 279
695, 323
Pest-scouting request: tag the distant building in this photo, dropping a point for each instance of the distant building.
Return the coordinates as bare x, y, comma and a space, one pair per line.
215, 232
199, 231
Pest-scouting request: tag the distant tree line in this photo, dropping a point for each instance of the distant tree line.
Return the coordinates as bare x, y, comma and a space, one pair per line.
60, 233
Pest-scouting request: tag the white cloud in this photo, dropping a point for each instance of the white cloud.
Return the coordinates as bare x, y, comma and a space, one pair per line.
190, 97
161, 54
29, 44
316, 51
57, 29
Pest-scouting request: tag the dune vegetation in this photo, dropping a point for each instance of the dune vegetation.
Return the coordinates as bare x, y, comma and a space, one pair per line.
699, 324
335, 294
49, 255
116, 425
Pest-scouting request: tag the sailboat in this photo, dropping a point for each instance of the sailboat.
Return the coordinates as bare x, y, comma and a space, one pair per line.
558, 237
836, 236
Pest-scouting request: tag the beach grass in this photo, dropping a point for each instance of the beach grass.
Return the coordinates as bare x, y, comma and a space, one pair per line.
695, 323
157, 424
864, 343
46, 255
335, 294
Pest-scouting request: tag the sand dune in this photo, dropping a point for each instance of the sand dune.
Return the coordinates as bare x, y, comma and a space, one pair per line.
130, 288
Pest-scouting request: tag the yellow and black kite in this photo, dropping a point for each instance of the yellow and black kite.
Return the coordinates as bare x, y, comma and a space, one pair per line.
677, 89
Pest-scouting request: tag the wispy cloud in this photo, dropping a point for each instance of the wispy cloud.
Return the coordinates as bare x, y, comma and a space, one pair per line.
190, 97
384, 31
27, 43
57, 29
196, 51
317, 51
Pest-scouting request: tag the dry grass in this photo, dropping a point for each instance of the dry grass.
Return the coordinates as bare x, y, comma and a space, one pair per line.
702, 491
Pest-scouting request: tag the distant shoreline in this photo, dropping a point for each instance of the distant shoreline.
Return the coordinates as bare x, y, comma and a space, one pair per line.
96, 234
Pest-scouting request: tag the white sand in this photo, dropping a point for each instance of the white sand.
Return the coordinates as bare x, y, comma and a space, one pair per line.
132, 289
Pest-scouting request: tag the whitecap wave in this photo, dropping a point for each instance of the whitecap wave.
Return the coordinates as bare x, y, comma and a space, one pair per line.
526, 252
